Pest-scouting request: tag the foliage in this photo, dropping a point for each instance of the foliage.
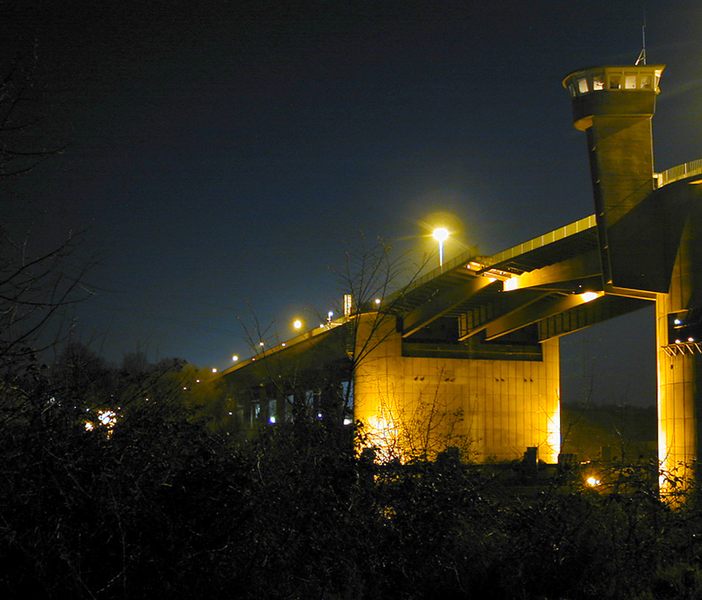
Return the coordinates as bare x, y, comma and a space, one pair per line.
167, 505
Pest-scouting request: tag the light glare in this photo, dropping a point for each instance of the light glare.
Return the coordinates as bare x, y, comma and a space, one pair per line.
440, 234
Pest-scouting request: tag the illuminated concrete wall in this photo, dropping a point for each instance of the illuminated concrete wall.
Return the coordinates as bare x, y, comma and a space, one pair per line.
493, 409
680, 374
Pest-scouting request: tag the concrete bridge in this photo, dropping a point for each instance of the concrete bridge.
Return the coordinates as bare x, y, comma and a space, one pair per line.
469, 354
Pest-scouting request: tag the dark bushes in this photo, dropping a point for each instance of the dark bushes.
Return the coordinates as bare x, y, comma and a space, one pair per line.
165, 506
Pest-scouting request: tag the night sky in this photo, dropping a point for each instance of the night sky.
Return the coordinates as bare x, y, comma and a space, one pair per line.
221, 157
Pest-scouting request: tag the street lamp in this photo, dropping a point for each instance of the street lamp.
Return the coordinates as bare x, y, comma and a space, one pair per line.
297, 324
440, 234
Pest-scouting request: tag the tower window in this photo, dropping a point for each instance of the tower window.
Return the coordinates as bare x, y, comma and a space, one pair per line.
582, 86
645, 82
597, 82
630, 82
615, 82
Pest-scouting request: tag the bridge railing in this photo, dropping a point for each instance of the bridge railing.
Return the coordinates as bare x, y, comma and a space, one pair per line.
678, 172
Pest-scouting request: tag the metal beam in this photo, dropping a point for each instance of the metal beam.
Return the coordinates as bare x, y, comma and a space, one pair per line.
581, 317
560, 275
480, 317
442, 302
532, 314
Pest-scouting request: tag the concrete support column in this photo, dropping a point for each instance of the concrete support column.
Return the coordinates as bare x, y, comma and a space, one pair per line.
680, 372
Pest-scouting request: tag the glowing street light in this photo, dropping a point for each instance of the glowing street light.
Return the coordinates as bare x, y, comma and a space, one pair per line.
440, 234
297, 324
235, 357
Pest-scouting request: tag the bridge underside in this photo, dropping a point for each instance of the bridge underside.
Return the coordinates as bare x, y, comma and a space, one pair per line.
466, 356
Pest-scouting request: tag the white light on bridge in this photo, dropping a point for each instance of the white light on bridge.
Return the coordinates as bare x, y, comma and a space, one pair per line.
440, 234
590, 296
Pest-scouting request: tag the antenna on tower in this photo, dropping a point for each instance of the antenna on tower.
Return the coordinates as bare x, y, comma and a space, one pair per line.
641, 60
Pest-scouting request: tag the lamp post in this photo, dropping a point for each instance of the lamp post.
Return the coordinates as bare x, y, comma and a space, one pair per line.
440, 234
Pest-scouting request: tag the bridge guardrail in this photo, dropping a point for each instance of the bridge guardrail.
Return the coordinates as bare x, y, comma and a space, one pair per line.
678, 172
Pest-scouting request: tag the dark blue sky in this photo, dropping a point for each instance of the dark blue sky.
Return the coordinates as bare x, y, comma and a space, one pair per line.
222, 156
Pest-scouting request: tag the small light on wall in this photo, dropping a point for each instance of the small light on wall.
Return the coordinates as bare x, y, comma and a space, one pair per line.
510, 284
590, 296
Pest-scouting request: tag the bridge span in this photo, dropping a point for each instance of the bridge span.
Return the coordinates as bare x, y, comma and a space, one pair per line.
468, 355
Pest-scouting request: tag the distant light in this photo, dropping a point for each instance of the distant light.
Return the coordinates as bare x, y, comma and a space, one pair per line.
260, 344
230, 413
677, 341
271, 419
592, 481
297, 324
185, 389
321, 324
89, 426
330, 315
690, 339
235, 357
283, 344
677, 322
319, 415
253, 359
214, 369
377, 301
347, 421
107, 417
197, 381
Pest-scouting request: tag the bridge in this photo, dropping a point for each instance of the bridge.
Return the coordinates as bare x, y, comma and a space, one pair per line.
468, 355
